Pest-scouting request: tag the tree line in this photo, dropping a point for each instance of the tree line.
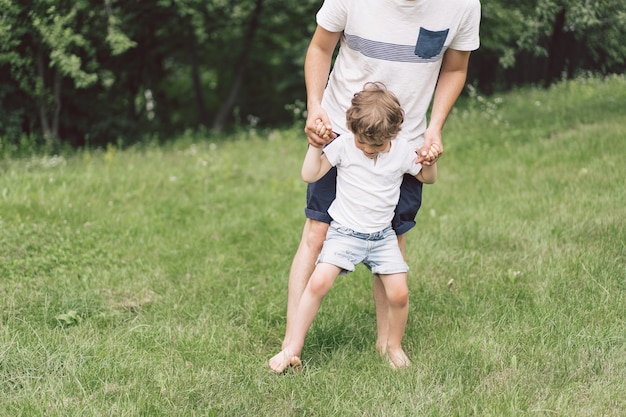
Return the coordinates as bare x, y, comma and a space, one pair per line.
89, 73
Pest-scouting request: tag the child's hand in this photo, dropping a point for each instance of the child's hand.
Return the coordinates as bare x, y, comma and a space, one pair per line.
315, 116
429, 153
432, 155
322, 131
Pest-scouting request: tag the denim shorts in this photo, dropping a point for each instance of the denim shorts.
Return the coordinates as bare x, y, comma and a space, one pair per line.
346, 248
320, 194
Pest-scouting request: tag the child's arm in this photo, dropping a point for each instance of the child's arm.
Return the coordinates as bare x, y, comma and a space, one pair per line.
428, 174
315, 165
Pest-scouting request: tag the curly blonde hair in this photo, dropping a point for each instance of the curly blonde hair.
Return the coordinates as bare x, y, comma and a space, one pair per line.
375, 115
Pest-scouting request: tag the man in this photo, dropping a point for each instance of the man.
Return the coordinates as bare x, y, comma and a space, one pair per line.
420, 50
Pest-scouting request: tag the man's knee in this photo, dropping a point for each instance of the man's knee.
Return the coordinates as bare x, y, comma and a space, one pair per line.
315, 234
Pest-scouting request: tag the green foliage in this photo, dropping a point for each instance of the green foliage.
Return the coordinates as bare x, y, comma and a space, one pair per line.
46, 44
152, 280
87, 73
56, 31
501, 25
598, 27
68, 319
118, 41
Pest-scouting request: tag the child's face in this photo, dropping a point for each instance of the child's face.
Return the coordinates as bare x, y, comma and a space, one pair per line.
372, 151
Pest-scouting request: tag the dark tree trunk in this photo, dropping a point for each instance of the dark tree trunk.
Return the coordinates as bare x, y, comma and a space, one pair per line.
50, 134
222, 115
197, 85
556, 51
57, 105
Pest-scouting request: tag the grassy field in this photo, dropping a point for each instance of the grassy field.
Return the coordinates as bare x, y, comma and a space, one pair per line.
152, 281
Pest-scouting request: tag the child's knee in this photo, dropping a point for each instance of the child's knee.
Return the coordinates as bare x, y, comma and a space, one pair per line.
320, 285
398, 297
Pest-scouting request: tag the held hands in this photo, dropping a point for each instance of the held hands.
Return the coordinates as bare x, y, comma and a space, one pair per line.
432, 149
318, 130
428, 156
323, 131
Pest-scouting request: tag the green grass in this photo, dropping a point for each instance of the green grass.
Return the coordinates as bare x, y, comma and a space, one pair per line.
152, 281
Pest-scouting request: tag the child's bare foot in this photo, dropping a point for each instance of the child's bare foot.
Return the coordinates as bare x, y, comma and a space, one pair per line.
398, 359
283, 360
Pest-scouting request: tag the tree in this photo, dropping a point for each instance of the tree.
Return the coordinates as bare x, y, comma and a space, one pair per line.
99, 71
48, 50
239, 69
574, 35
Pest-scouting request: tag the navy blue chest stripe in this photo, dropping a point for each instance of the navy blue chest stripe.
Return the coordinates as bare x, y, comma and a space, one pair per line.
387, 51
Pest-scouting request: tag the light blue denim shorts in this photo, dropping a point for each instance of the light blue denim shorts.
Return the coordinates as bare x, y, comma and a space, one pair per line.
346, 248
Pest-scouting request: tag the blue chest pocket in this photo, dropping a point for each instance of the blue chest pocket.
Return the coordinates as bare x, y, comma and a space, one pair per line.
429, 43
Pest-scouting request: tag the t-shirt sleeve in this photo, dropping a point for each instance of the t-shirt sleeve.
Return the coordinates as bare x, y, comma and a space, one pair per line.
334, 150
468, 37
332, 16
410, 166
414, 168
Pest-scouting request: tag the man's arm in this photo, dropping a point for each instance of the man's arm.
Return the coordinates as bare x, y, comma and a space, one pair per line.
449, 86
316, 69
315, 165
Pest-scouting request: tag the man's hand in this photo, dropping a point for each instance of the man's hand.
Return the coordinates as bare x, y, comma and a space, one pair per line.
318, 129
432, 149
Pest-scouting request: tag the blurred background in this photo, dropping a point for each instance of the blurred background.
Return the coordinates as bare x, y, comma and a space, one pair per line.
90, 73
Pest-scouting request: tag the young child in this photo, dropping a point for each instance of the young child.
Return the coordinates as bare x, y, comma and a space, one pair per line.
370, 167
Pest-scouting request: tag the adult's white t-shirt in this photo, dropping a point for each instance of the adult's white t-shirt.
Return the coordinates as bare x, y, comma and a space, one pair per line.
399, 43
368, 190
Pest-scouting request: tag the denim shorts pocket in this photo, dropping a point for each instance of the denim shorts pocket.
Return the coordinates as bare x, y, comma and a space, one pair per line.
430, 43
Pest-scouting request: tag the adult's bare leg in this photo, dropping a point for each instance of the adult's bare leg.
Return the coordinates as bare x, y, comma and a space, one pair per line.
382, 305
302, 266
318, 286
402, 245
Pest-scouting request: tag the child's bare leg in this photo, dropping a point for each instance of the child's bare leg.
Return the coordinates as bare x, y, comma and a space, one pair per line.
397, 292
318, 286
382, 305
382, 315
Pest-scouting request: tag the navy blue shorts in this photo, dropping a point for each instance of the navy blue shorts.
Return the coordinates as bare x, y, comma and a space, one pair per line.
320, 194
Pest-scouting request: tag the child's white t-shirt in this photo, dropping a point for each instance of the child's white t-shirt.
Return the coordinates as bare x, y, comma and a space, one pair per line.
368, 190
400, 43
